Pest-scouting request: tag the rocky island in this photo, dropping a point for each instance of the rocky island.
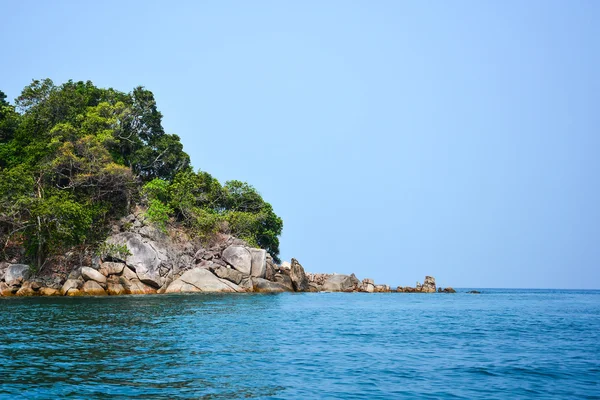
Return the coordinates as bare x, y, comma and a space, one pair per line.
97, 199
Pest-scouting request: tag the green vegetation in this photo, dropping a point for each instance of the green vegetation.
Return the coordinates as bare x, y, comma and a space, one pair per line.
75, 157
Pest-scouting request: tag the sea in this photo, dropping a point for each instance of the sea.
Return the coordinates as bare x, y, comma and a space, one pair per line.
500, 344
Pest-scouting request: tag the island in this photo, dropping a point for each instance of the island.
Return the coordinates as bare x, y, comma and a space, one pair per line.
97, 199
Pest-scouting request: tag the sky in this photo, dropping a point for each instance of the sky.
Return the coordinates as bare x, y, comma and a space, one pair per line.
396, 139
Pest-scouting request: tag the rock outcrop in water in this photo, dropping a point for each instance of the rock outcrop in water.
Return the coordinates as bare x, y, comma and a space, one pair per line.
139, 259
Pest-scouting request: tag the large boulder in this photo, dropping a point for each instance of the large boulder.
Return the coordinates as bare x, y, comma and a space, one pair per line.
146, 257
71, 284
135, 286
298, 277
259, 263
202, 280
90, 274
92, 288
284, 280
340, 283
265, 286
230, 274
17, 271
368, 285
239, 257
111, 268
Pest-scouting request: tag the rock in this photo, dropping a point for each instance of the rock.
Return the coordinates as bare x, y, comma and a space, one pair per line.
264, 286
17, 271
259, 262
239, 258
145, 256
74, 292
46, 291
203, 280
246, 284
5, 290
429, 285
75, 273
92, 288
179, 286
449, 290
298, 277
285, 281
111, 268
128, 273
115, 288
27, 290
15, 282
382, 289
318, 279
339, 283
71, 284
474, 292
313, 287
135, 286
270, 270
230, 274
368, 285
3, 267
88, 274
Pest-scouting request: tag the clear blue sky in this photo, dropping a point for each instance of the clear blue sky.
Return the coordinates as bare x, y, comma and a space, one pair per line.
395, 139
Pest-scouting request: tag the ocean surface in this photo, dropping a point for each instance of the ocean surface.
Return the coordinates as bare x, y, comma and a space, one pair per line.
501, 344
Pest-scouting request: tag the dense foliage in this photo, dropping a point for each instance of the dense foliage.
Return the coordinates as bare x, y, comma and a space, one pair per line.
75, 157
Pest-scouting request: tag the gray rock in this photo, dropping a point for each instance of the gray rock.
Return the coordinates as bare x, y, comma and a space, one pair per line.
270, 272
265, 286
17, 271
339, 283
259, 262
239, 258
247, 284
298, 277
145, 258
230, 274
203, 280
88, 274
285, 281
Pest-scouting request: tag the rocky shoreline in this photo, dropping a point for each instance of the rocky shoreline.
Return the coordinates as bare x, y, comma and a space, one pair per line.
139, 259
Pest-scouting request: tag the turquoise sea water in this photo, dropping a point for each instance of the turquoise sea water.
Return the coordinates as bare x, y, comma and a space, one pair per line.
500, 344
